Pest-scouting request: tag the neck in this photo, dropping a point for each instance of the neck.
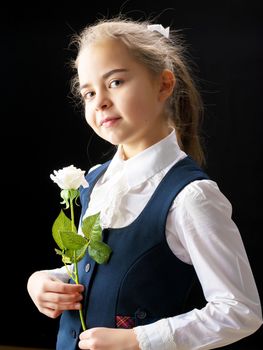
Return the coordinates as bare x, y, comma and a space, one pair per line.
131, 150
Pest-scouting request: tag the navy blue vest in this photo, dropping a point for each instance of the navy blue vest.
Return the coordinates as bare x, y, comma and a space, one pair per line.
143, 279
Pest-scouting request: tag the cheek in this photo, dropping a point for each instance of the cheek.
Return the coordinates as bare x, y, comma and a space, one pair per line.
90, 117
141, 110
133, 103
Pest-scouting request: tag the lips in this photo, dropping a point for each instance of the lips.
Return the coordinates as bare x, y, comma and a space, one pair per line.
109, 121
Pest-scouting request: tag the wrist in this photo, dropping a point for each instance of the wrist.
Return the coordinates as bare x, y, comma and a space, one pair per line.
134, 341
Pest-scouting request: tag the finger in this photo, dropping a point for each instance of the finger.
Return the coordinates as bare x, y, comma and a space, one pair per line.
63, 298
84, 334
86, 344
60, 301
66, 288
50, 312
57, 298
55, 285
62, 306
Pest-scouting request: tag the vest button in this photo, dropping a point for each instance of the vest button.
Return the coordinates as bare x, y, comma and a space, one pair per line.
87, 267
73, 333
141, 314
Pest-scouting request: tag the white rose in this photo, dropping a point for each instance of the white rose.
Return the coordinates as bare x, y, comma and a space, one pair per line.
69, 178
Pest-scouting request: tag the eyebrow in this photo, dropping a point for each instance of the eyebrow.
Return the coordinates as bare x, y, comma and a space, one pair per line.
106, 75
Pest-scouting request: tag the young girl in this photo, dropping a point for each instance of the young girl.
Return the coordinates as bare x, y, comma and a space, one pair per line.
166, 222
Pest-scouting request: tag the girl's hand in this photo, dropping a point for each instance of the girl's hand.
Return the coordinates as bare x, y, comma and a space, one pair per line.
108, 339
52, 296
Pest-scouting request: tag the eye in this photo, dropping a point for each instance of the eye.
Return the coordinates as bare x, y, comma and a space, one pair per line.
87, 95
115, 83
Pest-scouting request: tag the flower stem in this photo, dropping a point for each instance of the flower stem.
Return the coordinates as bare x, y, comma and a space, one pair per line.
77, 282
76, 265
82, 320
72, 215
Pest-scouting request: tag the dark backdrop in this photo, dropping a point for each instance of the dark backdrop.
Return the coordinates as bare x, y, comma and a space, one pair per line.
43, 130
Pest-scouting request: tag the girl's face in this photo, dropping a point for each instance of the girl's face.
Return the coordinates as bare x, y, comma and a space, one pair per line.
124, 102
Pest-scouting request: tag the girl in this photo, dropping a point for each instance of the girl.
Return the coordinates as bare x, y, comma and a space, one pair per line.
166, 222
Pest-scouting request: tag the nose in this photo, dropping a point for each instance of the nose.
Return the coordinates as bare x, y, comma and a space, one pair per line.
102, 101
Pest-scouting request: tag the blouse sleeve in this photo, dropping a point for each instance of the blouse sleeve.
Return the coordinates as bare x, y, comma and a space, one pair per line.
200, 231
60, 273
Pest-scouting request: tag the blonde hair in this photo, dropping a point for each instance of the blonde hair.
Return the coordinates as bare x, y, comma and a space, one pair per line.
156, 52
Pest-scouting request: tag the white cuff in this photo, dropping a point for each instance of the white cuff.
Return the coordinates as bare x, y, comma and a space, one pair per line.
155, 336
60, 273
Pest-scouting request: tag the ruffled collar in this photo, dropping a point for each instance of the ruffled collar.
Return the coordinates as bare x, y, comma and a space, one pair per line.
146, 164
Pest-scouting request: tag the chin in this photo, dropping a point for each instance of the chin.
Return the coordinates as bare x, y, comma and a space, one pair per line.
112, 139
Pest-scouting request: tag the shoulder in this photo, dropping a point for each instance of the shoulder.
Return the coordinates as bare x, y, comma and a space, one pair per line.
203, 196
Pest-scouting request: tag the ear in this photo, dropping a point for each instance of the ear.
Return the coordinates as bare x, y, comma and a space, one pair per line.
167, 84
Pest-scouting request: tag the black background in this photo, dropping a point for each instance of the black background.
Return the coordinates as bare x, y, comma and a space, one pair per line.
43, 130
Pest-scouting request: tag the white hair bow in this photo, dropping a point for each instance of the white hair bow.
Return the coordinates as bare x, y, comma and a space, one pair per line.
159, 28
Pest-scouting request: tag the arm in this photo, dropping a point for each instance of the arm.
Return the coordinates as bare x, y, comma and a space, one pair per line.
200, 231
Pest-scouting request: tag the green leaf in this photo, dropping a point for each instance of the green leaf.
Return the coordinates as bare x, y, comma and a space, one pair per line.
81, 252
69, 195
99, 251
69, 254
59, 252
66, 259
91, 227
65, 195
62, 223
71, 240
74, 194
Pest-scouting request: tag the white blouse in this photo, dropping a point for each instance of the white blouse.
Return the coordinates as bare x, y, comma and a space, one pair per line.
199, 231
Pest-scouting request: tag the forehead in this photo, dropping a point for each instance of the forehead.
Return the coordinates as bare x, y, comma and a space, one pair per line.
105, 55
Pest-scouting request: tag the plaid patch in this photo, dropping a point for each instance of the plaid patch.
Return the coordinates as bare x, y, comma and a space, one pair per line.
124, 322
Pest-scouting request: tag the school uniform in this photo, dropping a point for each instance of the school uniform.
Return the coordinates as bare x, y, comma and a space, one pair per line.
167, 224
